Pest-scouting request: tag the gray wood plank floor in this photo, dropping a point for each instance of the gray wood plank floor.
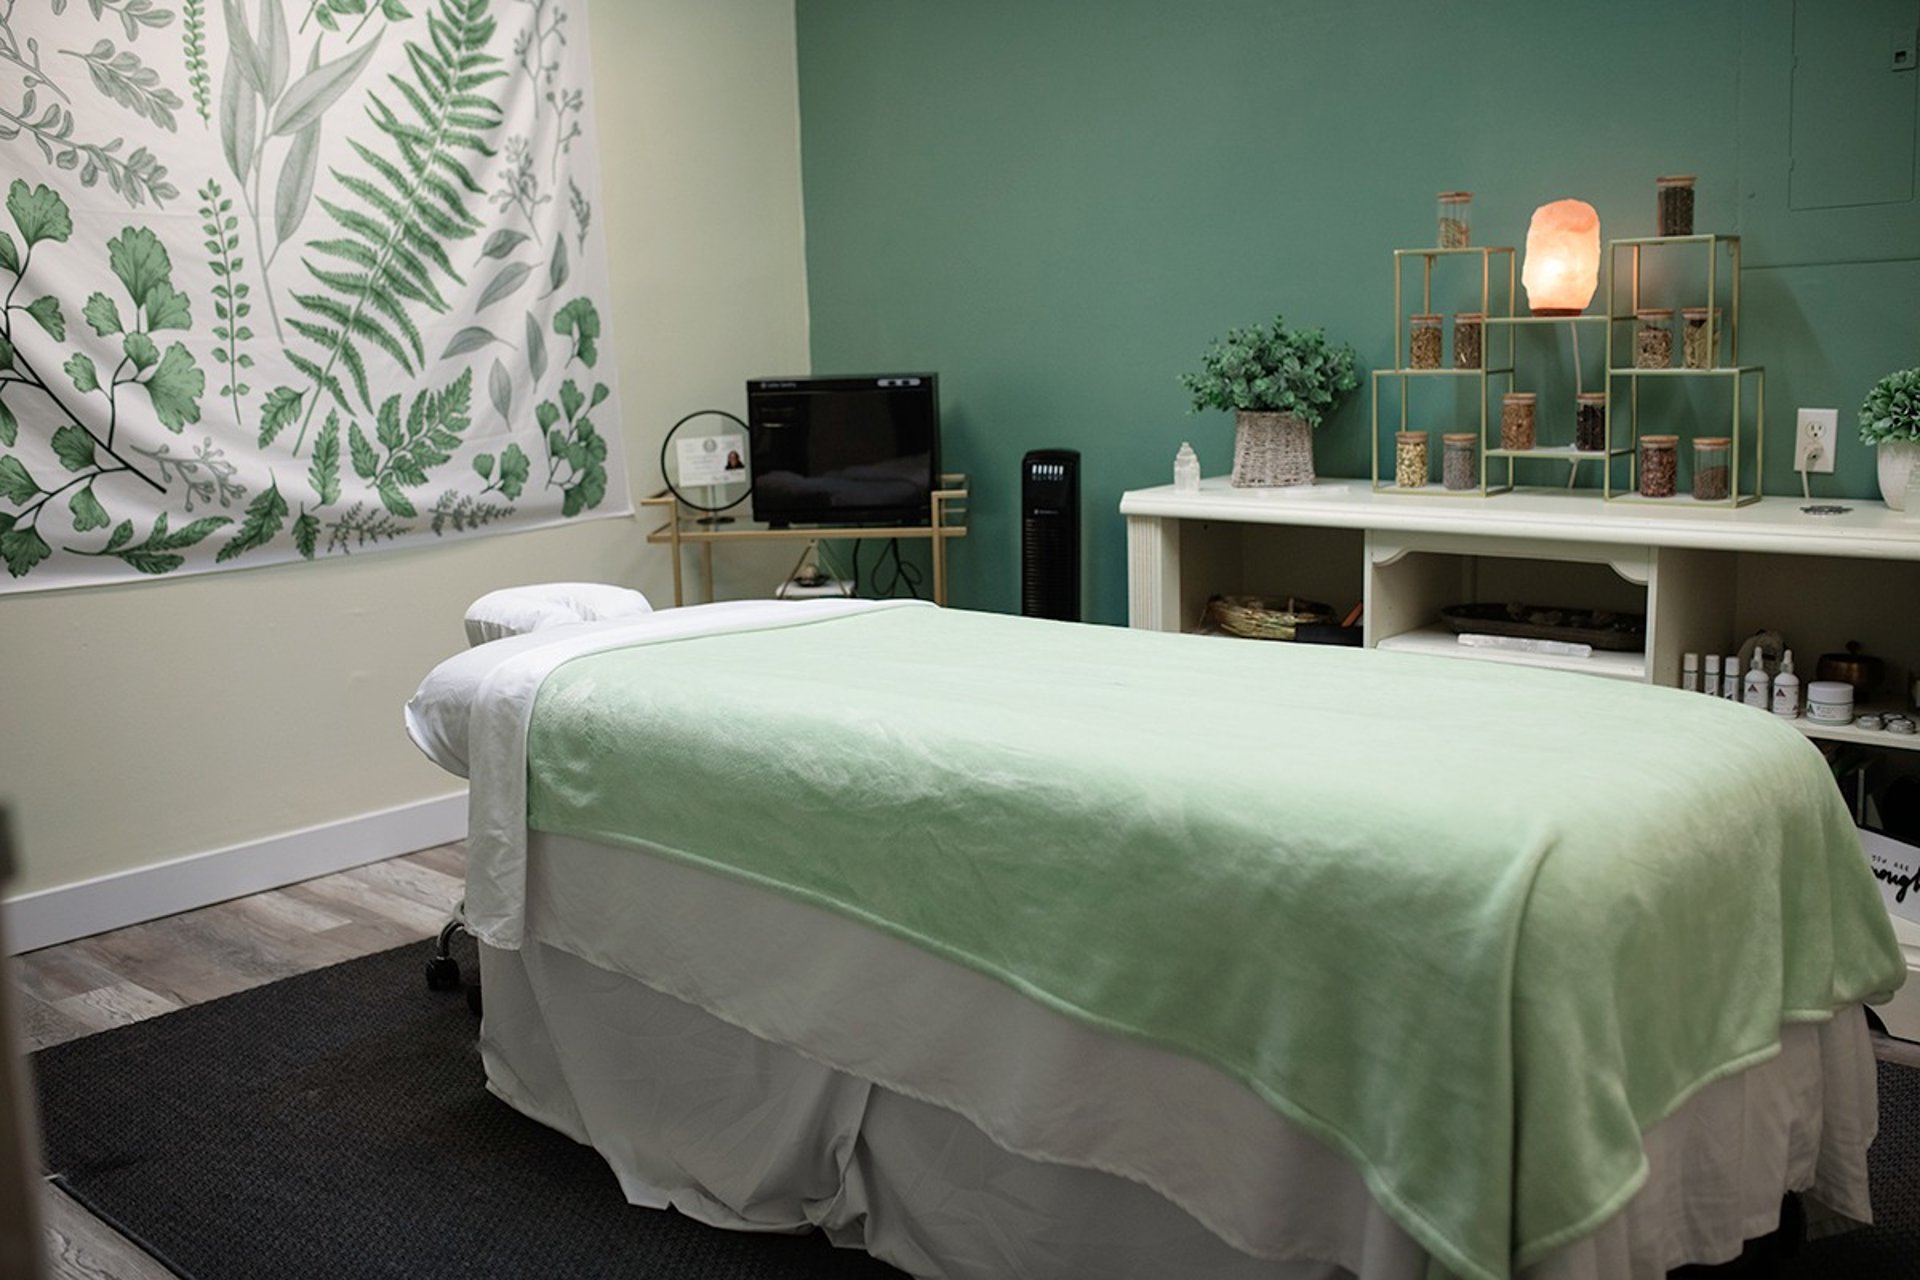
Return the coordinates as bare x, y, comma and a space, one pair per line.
115, 978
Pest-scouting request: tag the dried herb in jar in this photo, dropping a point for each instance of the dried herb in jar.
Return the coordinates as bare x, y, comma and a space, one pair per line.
1653, 340
1658, 465
1517, 420
1410, 459
1424, 348
1458, 465
1468, 326
1675, 205
1590, 421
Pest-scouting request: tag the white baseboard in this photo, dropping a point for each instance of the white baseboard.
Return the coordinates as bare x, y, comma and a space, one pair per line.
50, 916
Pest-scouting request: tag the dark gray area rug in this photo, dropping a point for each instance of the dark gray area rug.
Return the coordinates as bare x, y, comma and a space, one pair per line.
336, 1124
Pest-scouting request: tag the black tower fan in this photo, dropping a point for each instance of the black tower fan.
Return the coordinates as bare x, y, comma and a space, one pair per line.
1050, 534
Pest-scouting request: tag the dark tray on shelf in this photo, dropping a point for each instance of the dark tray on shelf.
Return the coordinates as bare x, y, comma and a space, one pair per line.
1621, 632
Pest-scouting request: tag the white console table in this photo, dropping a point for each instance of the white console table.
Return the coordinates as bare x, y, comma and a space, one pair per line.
1706, 578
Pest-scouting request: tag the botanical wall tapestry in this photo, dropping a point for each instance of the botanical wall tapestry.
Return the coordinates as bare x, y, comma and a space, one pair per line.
295, 279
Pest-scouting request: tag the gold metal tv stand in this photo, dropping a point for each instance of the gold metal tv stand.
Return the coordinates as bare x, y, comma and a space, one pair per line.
947, 511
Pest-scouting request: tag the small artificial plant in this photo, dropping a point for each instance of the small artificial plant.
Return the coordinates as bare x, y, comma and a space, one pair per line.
1273, 369
1891, 411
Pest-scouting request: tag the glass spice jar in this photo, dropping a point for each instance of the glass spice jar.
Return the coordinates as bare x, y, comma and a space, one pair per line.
1590, 421
1674, 204
1517, 419
1468, 327
1423, 344
1653, 338
1658, 456
1699, 337
1712, 472
1459, 463
1409, 459
1455, 224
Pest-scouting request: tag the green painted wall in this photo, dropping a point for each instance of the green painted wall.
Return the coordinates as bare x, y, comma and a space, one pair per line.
1056, 203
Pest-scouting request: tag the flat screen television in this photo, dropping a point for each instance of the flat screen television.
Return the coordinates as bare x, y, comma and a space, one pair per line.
844, 450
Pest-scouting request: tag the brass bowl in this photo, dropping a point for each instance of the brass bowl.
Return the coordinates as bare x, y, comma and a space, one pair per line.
1857, 669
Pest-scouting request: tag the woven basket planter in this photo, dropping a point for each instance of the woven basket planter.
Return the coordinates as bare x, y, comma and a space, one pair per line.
1271, 450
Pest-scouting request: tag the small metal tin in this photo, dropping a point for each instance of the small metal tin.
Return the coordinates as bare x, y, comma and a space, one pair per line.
1899, 724
1867, 722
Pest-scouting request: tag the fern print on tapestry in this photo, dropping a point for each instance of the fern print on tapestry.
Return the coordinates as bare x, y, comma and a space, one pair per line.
293, 279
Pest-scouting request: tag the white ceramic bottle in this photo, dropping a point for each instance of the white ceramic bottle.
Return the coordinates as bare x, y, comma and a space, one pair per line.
1757, 686
1786, 689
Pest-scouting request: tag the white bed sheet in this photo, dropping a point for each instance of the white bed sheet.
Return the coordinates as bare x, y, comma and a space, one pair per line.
761, 1063
470, 717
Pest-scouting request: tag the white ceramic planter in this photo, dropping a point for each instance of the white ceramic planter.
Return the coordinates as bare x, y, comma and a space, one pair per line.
1899, 459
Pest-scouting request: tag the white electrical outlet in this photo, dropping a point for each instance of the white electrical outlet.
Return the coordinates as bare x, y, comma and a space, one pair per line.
1815, 439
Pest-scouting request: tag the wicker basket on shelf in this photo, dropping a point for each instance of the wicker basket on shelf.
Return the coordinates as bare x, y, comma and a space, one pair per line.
1263, 618
1271, 450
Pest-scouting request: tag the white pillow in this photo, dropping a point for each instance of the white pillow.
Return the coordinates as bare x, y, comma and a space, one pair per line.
515, 611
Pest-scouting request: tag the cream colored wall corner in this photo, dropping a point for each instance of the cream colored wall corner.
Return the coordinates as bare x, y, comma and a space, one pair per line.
155, 721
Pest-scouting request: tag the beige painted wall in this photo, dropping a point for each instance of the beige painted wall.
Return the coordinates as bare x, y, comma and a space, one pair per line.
159, 719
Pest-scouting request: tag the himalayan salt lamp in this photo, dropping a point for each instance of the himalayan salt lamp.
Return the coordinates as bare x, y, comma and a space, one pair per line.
1562, 268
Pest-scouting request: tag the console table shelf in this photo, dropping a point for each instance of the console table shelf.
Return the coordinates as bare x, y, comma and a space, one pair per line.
947, 514
1706, 575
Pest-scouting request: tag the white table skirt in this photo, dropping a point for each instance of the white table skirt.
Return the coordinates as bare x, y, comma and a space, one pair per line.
762, 1064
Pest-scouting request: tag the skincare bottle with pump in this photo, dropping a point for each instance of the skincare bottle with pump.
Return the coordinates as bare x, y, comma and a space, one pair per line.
1757, 684
1786, 689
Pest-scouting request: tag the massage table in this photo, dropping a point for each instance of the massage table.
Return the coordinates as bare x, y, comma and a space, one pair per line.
1003, 947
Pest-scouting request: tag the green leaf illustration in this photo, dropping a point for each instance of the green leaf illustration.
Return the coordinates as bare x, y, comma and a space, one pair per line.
394, 500
536, 349
239, 102
503, 242
295, 190
39, 212
47, 311
306, 534
557, 268
16, 486
273, 48
395, 11
141, 350
87, 511
366, 463
156, 553
483, 463
9, 256
138, 258
74, 447
266, 514
324, 471
511, 277
80, 368
175, 388
580, 320
500, 390
102, 315
130, 82
283, 406
9, 425
22, 549
122, 534
6, 353
413, 201
194, 37
245, 53
471, 338
167, 308
514, 470
307, 98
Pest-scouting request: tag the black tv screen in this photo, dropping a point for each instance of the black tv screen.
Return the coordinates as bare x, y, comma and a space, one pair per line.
844, 450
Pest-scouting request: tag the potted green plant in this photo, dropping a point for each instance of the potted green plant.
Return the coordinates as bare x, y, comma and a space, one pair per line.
1890, 420
1280, 384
